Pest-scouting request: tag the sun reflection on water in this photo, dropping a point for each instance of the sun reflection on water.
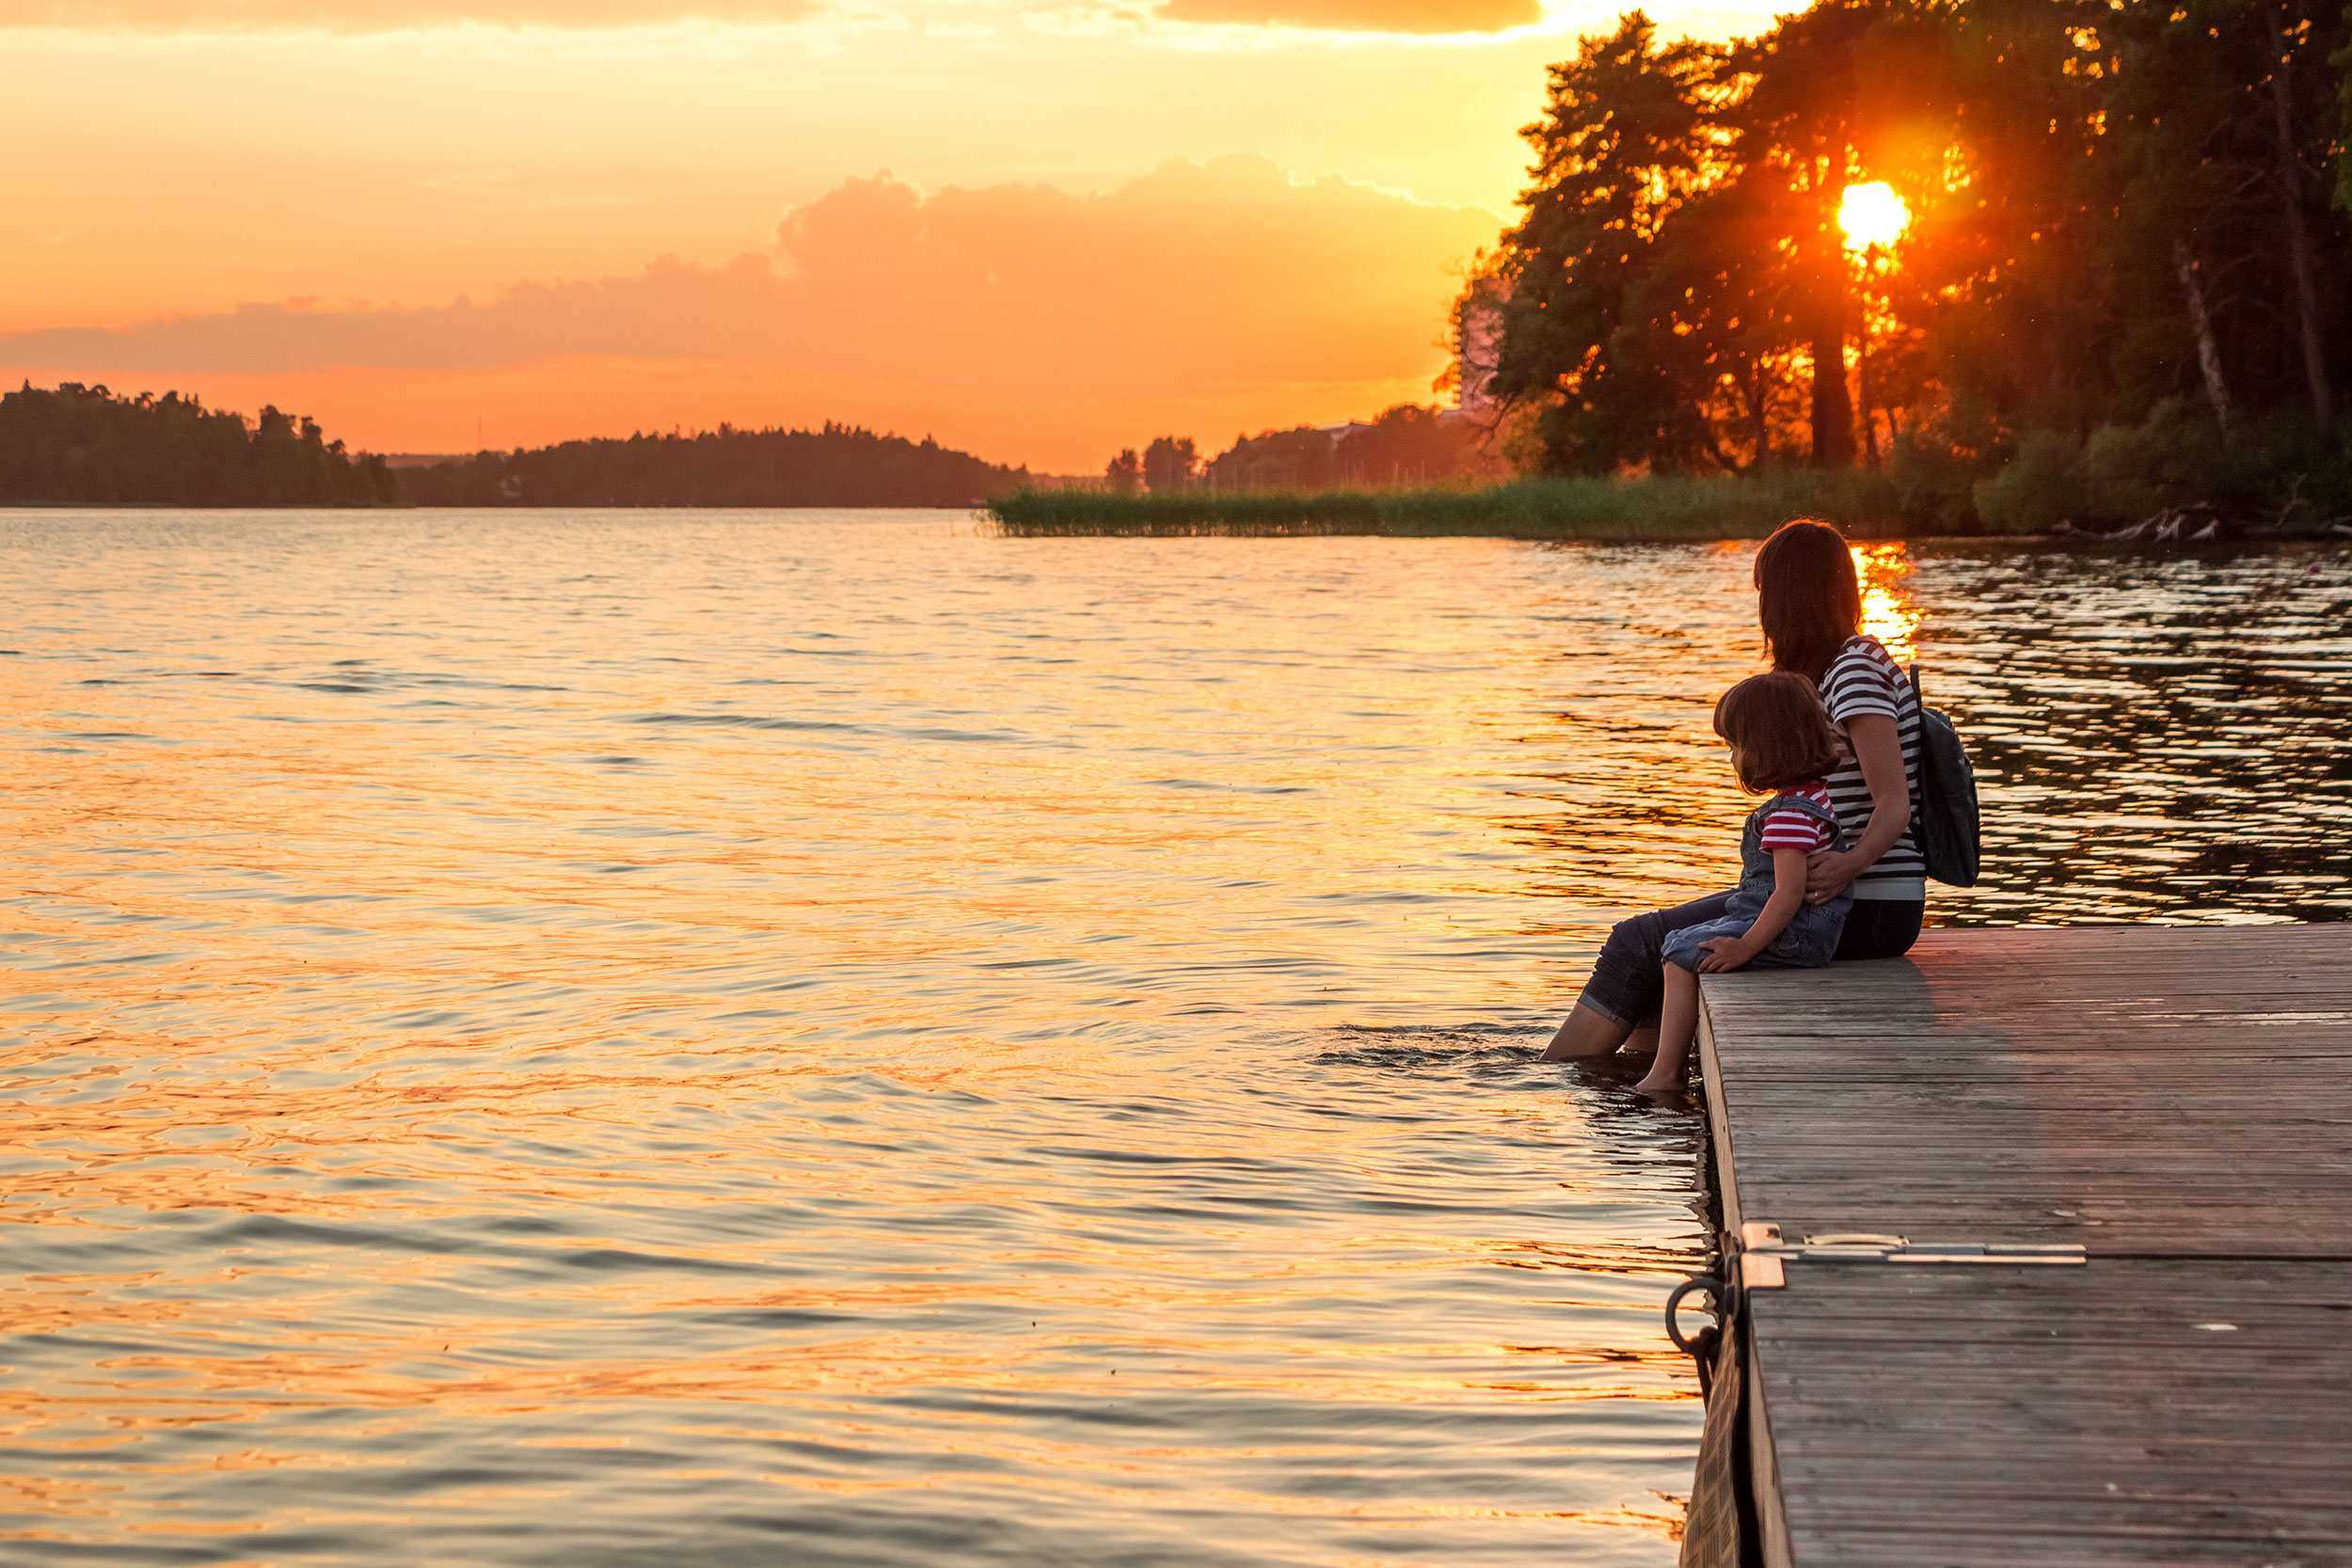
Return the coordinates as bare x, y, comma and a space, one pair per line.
698, 1018
1890, 610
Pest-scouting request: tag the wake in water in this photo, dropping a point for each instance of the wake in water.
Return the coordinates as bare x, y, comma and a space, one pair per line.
1493, 1055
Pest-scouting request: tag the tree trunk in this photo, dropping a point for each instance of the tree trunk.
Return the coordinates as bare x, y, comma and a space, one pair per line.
1862, 390
1758, 411
2291, 209
2208, 351
1833, 404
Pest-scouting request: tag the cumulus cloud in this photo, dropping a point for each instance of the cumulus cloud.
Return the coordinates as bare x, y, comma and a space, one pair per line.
1371, 16
1225, 270
668, 310
382, 16
1219, 290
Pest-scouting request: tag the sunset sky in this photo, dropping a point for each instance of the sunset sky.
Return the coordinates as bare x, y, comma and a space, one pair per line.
1037, 231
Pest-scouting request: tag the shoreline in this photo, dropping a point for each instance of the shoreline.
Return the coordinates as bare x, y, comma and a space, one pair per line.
1865, 505
1367, 515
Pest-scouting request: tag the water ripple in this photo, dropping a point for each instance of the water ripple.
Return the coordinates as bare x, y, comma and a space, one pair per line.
1050, 1080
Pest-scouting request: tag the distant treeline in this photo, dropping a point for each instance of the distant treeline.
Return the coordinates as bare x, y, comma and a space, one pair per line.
78, 445
1406, 445
837, 466
84, 444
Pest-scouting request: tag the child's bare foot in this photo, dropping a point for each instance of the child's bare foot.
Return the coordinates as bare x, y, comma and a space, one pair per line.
1659, 1089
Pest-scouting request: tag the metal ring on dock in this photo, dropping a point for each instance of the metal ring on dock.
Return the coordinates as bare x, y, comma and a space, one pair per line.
1707, 1282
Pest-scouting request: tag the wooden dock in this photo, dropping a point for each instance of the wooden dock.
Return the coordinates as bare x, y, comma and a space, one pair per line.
2176, 1102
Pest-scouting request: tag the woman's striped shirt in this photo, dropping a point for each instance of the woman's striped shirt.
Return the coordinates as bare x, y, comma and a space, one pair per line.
1863, 681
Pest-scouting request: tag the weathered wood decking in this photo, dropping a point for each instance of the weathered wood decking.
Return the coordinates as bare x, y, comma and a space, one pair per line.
2177, 1103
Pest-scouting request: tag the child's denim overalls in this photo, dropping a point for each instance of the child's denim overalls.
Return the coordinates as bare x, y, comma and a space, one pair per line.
1810, 938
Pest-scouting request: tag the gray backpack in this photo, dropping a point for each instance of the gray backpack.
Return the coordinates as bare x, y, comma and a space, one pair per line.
1944, 824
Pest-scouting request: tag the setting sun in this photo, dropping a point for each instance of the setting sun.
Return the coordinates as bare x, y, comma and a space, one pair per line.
1872, 214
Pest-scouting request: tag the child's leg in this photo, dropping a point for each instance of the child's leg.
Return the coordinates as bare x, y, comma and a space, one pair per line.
1677, 1023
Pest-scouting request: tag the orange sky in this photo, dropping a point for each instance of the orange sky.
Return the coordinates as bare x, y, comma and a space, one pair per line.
1037, 230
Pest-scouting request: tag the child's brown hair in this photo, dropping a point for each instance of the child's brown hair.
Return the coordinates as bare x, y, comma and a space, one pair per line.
1778, 734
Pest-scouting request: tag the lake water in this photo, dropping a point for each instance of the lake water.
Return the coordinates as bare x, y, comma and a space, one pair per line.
818, 1038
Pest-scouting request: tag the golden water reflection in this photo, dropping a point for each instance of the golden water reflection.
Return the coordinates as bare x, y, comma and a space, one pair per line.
849, 1039
1890, 612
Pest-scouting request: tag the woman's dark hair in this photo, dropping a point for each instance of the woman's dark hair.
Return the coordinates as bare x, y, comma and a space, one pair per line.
1779, 736
1807, 597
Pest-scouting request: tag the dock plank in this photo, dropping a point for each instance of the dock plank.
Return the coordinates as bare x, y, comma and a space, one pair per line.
2177, 1101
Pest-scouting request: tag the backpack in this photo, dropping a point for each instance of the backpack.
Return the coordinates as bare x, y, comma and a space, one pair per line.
1946, 825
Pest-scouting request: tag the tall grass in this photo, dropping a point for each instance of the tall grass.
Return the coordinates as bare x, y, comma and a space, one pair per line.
1662, 507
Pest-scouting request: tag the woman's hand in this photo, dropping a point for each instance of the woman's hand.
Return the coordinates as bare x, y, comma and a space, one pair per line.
1724, 953
1830, 873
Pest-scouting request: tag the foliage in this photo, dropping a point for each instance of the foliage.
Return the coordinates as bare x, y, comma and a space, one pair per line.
837, 465
1622, 144
1301, 459
1170, 463
2343, 62
2129, 471
1933, 483
82, 445
2036, 492
2117, 208
1406, 445
2277, 471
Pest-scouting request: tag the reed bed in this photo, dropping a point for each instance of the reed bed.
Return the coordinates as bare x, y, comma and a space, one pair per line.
1654, 508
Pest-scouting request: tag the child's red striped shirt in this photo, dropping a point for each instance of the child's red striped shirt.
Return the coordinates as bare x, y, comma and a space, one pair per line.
1790, 829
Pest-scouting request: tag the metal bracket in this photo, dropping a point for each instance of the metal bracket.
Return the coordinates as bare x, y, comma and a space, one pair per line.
1763, 1251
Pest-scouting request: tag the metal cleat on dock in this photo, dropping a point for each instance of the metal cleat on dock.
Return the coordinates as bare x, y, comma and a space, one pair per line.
1763, 1250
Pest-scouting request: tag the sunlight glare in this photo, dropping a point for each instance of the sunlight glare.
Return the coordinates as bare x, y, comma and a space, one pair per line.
1890, 610
1872, 214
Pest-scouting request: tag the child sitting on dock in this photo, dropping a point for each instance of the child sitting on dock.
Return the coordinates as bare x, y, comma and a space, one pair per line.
1782, 744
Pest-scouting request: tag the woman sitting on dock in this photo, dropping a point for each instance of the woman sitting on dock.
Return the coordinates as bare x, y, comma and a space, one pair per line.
1810, 604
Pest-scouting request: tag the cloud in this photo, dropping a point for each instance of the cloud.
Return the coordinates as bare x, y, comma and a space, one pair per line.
1369, 16
1213, 293
382, 16
670, 310
385, 16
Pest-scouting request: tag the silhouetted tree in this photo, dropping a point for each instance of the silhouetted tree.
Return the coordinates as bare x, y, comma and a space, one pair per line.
1124, 473
1170, 463
78, 444
1300, 459
83, 444
1406, 445
2115, 207
835, 465
1620, 145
